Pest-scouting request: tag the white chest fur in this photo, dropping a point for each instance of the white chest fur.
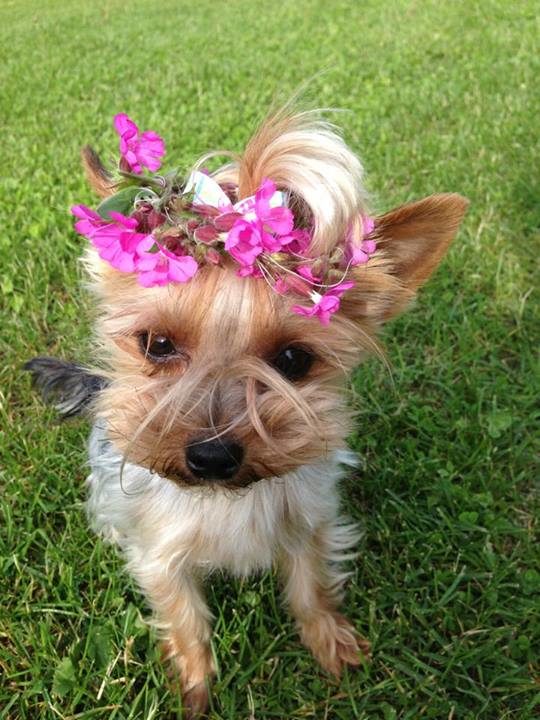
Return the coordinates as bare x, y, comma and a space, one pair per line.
156, 521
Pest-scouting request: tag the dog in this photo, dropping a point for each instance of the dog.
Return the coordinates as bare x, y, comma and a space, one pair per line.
231, 308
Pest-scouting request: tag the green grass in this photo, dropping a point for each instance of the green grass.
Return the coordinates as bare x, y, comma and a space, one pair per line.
447, 587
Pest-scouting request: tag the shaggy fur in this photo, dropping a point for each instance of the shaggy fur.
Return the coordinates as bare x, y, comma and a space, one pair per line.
282, 506
69, 387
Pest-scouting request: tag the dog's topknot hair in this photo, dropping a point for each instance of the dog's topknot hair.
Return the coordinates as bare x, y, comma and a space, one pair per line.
307, 158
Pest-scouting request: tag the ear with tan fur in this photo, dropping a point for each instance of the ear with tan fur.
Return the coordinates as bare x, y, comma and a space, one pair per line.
411, 242
99, 178
416, 236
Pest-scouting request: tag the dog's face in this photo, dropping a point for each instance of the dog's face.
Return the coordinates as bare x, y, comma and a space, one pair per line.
216, 381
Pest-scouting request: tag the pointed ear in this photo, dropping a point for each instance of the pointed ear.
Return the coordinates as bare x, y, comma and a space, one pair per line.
99, 178
415, 237
411, 242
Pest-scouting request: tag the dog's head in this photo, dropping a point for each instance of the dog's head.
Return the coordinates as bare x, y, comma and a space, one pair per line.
215, 380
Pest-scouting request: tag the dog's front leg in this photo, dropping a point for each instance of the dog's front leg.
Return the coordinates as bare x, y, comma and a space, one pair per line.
313, 590
184, 618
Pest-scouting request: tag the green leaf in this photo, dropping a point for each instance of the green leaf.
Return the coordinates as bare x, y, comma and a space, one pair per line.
64, 677
99, 646
252, 598
388, 712
121, 202
530, 582
468, 518
498, 422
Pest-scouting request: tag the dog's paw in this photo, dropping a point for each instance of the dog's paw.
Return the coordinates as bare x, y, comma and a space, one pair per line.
189, 673
195, 702
334, 642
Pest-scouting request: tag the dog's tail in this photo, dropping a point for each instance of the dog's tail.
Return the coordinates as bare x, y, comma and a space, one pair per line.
69, 387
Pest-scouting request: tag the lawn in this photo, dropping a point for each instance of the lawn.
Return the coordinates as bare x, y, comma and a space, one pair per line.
440, 96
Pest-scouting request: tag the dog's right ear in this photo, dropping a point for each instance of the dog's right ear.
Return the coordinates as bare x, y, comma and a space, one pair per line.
101, 181
411, 242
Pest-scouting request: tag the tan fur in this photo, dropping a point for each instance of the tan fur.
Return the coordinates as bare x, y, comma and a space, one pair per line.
98, 177
313, 596
186, 645
417, 235
226, 331
154, 411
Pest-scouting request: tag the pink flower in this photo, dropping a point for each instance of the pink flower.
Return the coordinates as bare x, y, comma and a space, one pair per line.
164, 266
244, 242
89, 220
118, 242
281, 287
138, 150
306, 272
249, 271
261, 228
299, 241
280, 220
324, 305
368, 225
369, 246
275, 224
360, 254
130, 251
354, 255
147, 218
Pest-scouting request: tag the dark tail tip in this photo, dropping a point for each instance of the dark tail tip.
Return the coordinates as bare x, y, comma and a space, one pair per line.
69, 387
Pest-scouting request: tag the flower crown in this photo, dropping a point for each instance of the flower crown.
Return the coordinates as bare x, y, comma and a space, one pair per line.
164, 228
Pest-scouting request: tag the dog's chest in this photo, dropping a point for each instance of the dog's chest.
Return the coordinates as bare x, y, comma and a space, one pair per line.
240, 533
158, 522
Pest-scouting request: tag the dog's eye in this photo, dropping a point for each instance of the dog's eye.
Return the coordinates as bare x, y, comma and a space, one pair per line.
157, 347
293, 362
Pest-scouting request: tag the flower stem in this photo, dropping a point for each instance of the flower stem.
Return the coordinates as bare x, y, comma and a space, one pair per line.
145, 180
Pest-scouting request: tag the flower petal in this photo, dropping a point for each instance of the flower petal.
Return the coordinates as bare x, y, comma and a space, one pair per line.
262, 197
83, 212
369, 246
89, 222
305, 272
244, 242
338, 290
182, 269
127, 222
138, 150
302, 310
150, 150
368, 224
280, 220
125, 126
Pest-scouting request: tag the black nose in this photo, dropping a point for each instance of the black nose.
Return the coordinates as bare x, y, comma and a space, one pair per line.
218, 459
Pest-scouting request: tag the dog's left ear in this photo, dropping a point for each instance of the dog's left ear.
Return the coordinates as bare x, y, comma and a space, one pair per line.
411, 242
99, 178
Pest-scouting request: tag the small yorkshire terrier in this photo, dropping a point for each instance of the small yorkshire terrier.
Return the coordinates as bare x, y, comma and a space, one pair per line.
232, 305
